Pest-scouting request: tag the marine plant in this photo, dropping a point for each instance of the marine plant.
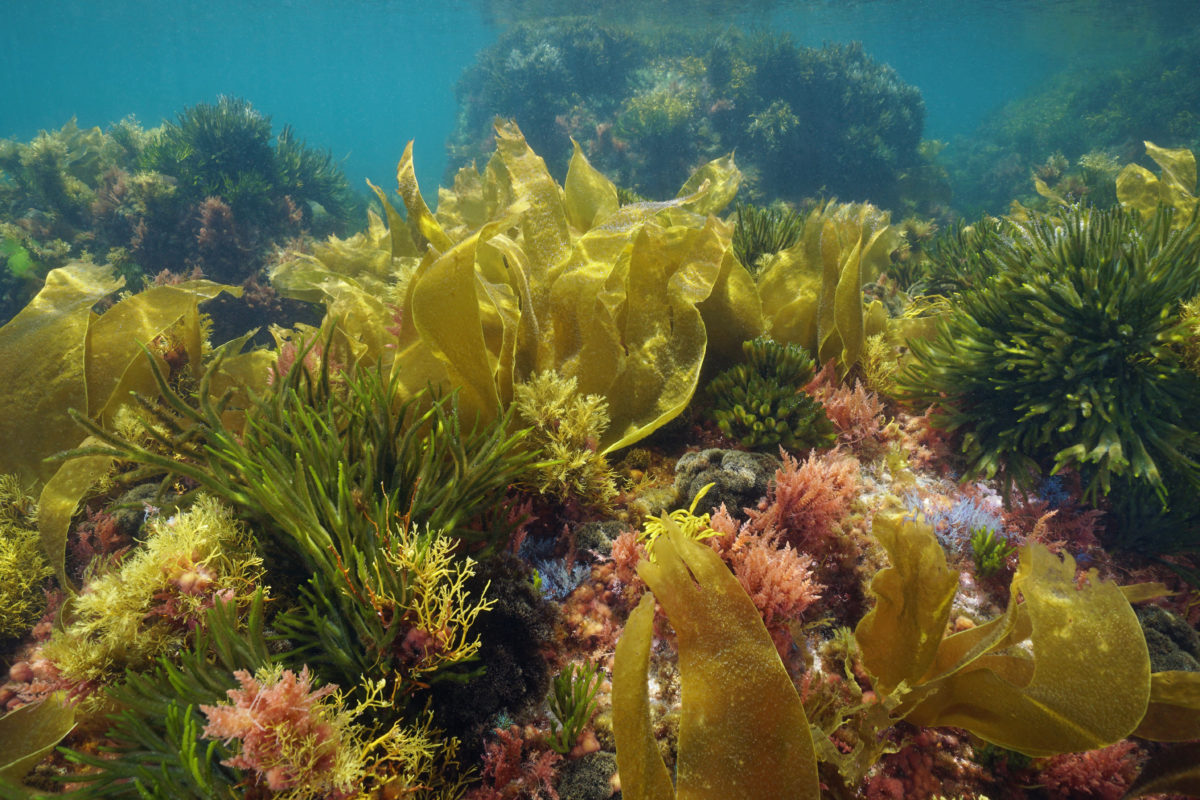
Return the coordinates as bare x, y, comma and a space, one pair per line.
370, 495
957, 260
747, 737
760, 232
572, 703
989, 551
762, 402
23, 567
812, 292
566, 427
520, 276
152, 602
1069, 357
226, 150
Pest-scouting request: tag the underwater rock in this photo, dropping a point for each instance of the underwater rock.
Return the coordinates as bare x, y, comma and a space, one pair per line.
739, 478
589, 777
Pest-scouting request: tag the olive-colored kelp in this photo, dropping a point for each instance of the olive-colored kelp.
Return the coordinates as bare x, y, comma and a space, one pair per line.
1039, 679
58, 354
1140, 189
519, 276
812, 293
28, 734
742, 731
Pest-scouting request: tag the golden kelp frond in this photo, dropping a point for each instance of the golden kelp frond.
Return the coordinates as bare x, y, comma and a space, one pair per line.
1174, 711
1065, 670
562, 279
812, 293
742, 731
58, 354
519, 276
1140, 189
42, 367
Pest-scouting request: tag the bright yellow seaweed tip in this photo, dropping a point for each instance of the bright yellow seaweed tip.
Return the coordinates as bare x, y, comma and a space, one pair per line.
742, 732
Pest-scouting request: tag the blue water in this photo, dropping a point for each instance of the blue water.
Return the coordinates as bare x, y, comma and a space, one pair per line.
361, 77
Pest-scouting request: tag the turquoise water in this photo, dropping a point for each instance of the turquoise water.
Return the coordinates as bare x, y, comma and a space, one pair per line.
361, 78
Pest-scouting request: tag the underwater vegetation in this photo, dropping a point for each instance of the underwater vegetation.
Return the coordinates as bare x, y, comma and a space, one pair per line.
1068, 357
1075, 133
409, 552
210, 192
648, 108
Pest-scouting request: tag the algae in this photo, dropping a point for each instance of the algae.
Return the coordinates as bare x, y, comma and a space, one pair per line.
742, 732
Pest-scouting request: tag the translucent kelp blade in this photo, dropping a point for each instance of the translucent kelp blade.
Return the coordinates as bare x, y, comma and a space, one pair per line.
723, 179
644, 776
114, 362
742, 731
1174, 711
1090, 681
425, 229
28, 734
1138, 188
663, 337
899, 637
589, 196
42, 367
60, 498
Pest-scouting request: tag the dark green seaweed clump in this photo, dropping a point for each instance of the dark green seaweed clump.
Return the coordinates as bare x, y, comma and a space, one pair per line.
1068, 358
762, 403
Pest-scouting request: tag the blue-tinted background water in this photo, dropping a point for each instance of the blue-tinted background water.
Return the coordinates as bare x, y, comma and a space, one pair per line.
361, 77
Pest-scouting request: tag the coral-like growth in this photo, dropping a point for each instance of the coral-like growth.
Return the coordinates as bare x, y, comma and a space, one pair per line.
513, 768
778, 579
761, 403
567, 426
292, 737
856, 414
809, 500
1103, 774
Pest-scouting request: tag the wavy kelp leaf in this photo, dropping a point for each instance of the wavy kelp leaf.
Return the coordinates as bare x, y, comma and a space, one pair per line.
1139, 188
1173, 714
732, 312
60, 498
712, 186
399, 237
899, 637
524, 179
1072, 674
1170, 772
30, 733
114, 361
663, 337
42, 362
812, 292
864, 243
742, 729
423, 225
589, 196
644, 774
464, 208
1178, 166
